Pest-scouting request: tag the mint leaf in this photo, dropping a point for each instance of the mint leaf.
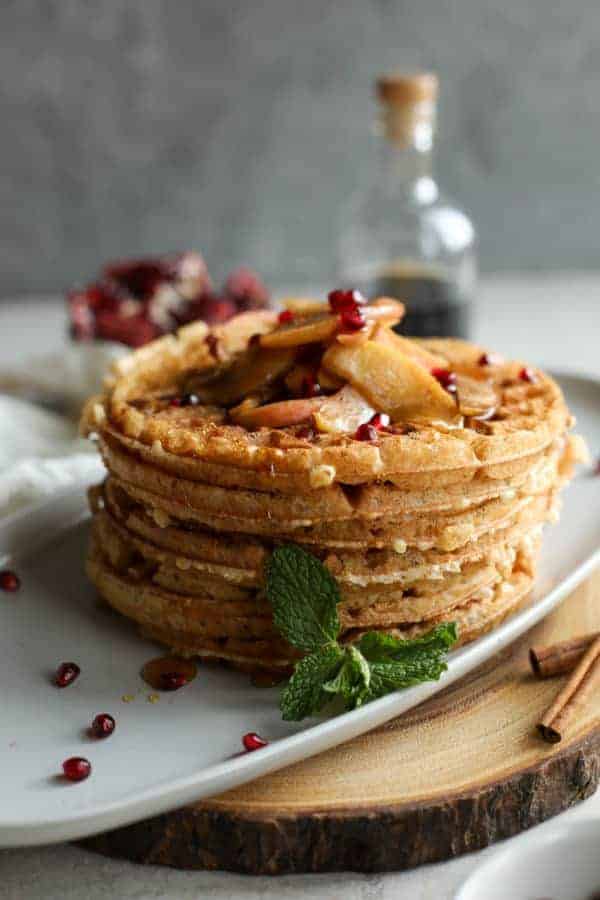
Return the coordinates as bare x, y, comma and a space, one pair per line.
304, 597
352, 680
377, 646
304, 694
396, 664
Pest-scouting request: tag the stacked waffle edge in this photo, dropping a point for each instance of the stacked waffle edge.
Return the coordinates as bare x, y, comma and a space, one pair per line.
427, 521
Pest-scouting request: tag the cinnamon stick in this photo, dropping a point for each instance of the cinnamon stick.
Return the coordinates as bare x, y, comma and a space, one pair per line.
560, 658
573, 696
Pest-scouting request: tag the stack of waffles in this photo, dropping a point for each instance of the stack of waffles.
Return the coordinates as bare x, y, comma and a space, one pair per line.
420, 472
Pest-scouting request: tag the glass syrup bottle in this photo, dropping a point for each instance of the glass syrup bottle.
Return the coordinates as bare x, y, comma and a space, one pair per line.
399, 237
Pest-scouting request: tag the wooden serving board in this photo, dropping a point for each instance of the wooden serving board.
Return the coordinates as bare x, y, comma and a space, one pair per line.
461, 771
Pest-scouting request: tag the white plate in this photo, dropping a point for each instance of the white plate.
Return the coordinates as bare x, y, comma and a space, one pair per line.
184, 747
560, 862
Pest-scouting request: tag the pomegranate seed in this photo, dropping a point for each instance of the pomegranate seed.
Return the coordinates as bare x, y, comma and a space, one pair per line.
345, 301
253, 741
380, 421
103, 725
172, 681
66, 674
366, 432
527, 374
352, 320
285, 317
446, 378
310, 386
9, 581
77, 768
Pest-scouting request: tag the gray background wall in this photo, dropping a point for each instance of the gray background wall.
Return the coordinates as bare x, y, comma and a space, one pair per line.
240, 126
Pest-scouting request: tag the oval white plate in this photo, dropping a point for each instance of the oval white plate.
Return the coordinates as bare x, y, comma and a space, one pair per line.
560, 862
186, 746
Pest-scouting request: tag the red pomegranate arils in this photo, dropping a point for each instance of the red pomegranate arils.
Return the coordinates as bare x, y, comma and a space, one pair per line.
253, 741
446, 378
103, 725
380, 421
218, 310
172, 681
246, 289
489, 359
527, 374
366, 432
9, 581
352, 320
345, 301
285, 317
76, 768
66, 674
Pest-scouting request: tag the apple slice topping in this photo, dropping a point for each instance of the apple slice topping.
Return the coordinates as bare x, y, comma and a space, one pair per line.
412, 349
298, 331
475, 397
323, 326
305, 306
248, 373
275, 415
391, 382
343, 412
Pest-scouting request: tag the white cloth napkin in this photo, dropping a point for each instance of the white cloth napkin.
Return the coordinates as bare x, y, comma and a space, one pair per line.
39, 454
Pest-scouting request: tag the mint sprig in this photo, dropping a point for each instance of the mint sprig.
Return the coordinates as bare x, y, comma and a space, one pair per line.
304, 596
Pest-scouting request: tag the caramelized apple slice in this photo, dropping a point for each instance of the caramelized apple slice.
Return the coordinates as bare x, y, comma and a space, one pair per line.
322, 327
302, 331
329, 381
248, 373
233, 336
392, 382
343, 413
385, 310
383, 334
305, 306
474, 396
275, 415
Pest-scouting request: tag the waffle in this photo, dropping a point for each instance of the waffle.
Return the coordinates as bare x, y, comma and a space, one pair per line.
216, 453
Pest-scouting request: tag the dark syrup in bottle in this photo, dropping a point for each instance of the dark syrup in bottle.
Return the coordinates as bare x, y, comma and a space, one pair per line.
435, 306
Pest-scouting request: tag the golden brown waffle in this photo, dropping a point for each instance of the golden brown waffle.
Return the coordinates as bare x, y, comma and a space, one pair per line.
418, 599
241, 558
431, 518
213, 629
528, 417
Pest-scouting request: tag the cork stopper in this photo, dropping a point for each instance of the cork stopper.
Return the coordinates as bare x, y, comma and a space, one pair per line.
408, 88
408, 106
